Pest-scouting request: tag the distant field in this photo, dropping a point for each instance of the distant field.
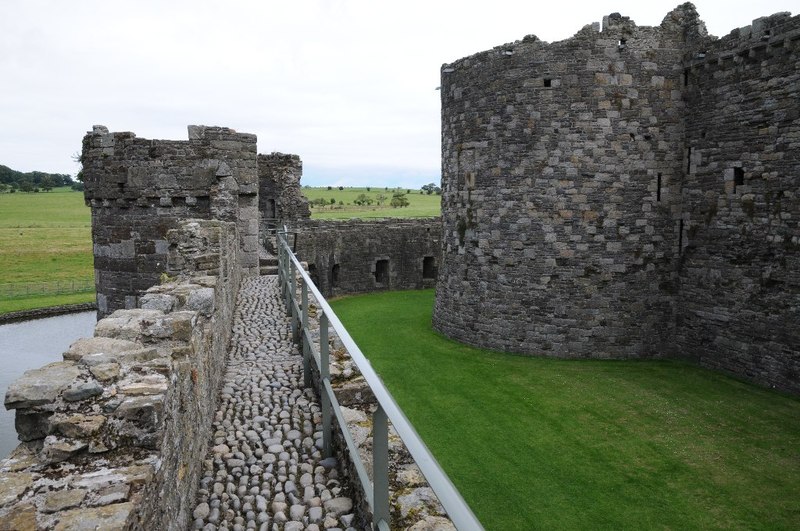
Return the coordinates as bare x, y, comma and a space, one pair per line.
44, 237
420, 205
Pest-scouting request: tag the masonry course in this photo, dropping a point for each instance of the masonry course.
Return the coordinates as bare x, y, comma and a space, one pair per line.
629, 192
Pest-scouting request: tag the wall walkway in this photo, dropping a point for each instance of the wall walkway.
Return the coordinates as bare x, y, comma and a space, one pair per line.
265, 466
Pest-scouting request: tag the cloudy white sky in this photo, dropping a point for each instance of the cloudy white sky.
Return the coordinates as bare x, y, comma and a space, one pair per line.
349, 85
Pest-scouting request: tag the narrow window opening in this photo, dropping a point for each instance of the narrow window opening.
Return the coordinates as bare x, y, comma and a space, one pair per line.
658, 188
428, 267
738, 177
548, 82
689, 159
633, 137
680, 236
382, 271
686, 78
335, 275
622, 43
312, 272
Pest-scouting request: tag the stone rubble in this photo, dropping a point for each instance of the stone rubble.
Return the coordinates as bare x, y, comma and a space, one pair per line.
265, 469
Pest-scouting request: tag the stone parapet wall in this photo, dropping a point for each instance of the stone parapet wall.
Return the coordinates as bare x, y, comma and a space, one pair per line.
740, 262
359, 256
114, 435
139, 189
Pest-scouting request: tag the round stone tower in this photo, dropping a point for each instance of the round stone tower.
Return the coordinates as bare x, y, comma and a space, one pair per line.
561, 171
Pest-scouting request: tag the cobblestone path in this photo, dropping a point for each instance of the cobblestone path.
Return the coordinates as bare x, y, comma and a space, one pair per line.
264, 469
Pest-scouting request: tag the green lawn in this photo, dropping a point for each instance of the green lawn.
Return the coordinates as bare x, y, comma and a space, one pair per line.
44, 237
420, 205
554, 444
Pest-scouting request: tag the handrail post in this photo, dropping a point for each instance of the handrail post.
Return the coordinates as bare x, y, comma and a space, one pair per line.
303, 328
291, 297
325, 375
380, 468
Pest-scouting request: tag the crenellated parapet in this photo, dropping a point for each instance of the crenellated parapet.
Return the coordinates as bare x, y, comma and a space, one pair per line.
139, 189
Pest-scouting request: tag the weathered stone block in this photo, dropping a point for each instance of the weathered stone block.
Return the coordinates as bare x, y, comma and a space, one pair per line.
41, 386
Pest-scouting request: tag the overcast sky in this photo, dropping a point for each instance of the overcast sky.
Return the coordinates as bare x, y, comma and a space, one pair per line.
350, 86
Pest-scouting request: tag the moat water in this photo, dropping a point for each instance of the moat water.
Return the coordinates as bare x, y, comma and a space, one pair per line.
31, 344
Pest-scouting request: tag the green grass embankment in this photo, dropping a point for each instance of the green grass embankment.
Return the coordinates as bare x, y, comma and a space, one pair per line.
536, 443
45, 238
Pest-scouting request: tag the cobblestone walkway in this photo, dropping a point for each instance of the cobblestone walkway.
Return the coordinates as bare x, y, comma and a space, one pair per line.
265, 470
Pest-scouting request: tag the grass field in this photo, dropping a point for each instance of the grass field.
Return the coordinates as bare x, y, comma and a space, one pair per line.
554, 444
44, 237
420, 205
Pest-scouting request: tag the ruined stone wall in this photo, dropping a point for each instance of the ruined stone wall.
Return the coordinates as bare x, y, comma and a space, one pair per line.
359, 256
115, 435
139, 189
561, 167
740, 265
279, 193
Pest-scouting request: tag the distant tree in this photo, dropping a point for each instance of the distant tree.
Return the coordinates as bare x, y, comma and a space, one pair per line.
341, 203
78, 187
429, 188
399, 199
369, 188
4, 188
47, 183
333, 200
26, 186
341, 188
380, 199
330, 188
362, 200
408, 191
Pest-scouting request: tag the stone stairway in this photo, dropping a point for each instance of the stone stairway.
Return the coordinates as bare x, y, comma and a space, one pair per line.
265, 469
268, 265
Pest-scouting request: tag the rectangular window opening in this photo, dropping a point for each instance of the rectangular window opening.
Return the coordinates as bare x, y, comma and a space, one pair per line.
680, 236
738, 177
335, 275
686, 77
548, 82
382, 271
428, 267
689, 159
658, 188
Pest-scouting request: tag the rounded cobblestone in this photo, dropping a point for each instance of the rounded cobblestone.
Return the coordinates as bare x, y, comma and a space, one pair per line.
265, 436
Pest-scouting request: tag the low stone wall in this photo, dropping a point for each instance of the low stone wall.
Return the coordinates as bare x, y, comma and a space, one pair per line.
114, 435
358, 256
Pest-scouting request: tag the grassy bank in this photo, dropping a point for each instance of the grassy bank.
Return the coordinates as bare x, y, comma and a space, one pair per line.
553, 444
44, 237
420, 205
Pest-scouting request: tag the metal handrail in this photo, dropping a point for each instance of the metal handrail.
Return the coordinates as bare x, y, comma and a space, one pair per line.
388, 410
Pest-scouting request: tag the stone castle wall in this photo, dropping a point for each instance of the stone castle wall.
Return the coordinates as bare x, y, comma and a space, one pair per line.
279, 194
139, 189
740, 263
114, 436
589, 207
359, 256
561, 167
